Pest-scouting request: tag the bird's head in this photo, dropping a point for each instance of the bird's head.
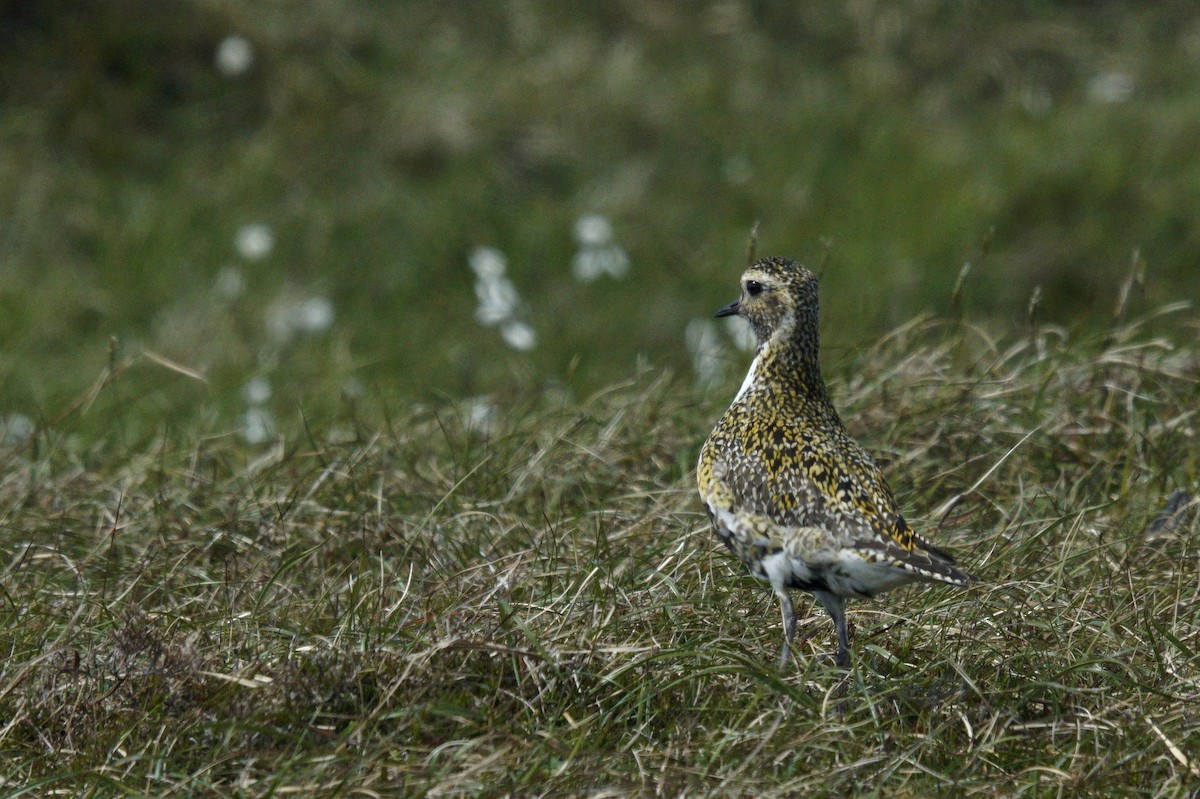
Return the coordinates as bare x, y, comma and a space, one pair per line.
779, 297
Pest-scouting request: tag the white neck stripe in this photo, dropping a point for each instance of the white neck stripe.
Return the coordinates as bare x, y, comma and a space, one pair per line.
749, 376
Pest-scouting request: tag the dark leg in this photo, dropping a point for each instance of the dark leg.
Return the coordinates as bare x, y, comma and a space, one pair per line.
789, 626
836, 607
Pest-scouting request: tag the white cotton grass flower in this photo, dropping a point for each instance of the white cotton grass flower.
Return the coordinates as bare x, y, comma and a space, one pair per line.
593, 230
593, 262
584, 267
703, 340
16, 429
741, 333
278, 320
257, 391
231, 283
341, 434
499, 301
254, 242
598, 253
234, 56
479, 414
518, 335
314, 315
1111, 88
288, 315
257, 425
488, 263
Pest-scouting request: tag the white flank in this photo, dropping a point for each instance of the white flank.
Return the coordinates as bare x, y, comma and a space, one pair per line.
781, 568
726, 519
855, 576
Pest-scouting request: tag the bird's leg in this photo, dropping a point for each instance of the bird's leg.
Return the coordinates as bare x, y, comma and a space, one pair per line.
789, 625
836, 607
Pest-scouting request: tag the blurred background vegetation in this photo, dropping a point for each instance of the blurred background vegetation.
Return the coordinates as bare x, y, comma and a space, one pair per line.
288, 198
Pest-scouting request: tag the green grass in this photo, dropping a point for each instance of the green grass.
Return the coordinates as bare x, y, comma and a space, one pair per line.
383, 141
532, 604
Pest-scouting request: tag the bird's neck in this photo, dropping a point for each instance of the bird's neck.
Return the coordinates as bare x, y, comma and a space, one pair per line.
788, 366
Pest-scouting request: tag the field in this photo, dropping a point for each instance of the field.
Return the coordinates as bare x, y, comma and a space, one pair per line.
531, 603
354, 361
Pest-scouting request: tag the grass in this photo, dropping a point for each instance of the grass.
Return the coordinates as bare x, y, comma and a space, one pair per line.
527, 601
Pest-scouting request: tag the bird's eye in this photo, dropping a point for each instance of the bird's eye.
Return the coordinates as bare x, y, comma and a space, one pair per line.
754, 288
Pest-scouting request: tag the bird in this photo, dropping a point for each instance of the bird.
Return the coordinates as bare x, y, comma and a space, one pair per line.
787, 489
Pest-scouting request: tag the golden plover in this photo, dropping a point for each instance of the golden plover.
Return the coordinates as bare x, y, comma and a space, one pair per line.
786, 487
